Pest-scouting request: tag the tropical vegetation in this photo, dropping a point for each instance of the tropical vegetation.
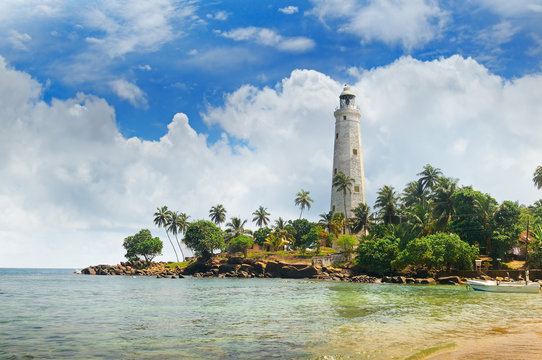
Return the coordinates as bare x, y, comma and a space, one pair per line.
433, 223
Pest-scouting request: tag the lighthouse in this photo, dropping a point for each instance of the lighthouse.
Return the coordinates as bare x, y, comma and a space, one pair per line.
347, 153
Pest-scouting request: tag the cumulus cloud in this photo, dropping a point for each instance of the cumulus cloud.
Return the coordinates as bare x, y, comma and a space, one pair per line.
289, 10
409, 23
74, 186
269, 37
129, 91
18, 40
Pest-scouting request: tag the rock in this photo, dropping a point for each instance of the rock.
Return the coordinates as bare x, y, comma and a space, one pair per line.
225, 268
386, 279
449, 280
292, 272
410, 280
273, 268
427, 281
197, 267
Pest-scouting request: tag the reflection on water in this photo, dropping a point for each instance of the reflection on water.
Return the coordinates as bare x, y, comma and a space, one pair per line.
57, 314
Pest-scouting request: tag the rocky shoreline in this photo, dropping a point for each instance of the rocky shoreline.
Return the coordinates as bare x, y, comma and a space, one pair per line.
250, 268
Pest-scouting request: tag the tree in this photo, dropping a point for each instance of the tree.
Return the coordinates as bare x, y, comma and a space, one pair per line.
217, 214
236, 227
443, 205
161, 220
347, 243
260, 235
326, 220
485, 207
465, 221
537, 177
175, 224
420, 218
535, 247
375, 255
429, 176
240, 243
204, 237
303, 200
414, 193
275, 241
142, 244
386, 201
343, 183
261, 217
507, 230
437, 252
360, 219
298, 229
280, 236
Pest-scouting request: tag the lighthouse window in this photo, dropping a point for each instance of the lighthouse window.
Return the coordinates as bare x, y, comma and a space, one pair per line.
344, 117
335, 171
356, 189
333, 208
336, 135
354, 151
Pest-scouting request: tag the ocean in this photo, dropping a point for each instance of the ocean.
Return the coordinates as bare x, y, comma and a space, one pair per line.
54, 314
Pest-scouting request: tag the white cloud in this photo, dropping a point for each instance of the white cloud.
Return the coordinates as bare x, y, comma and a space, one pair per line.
269, 37
129, 91
19, 40
220, 15
145, 67
409, 23
289, 10
73, 187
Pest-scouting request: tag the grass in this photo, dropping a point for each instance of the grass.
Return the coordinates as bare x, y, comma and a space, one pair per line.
178, 264
430, 351
289, 256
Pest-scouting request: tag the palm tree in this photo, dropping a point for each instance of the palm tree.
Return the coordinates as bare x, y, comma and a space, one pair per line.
281, 233
360, 220
537, 177
344, 183
303, 200
161, 220
386, 201
261, 217
325, 220
414, 193
218, 214
236, 227
429, 176
173, 225
421, 220
275, 242
443, 204
338, 223
485, 208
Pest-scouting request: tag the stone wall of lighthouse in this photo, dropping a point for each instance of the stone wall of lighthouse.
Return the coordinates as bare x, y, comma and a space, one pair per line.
347, 153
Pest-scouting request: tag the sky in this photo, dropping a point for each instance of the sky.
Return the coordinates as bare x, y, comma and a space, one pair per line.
110, 109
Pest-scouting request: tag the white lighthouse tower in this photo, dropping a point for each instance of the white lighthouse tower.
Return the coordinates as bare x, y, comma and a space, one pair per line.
347, 154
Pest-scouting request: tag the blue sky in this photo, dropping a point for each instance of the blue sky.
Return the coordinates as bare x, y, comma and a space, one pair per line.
112, 108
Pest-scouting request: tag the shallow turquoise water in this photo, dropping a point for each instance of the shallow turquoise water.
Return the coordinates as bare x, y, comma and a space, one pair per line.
57, 314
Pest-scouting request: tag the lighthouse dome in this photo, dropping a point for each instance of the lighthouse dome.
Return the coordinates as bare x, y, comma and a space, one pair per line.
347, 92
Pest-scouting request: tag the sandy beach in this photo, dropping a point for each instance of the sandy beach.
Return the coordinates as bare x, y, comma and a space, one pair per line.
518, 342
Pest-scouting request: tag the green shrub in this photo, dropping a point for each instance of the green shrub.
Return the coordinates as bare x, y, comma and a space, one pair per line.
375, 256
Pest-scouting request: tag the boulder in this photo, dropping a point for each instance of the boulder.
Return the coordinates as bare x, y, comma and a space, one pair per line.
293, 272
449, 280
226, 268
197, 267
273, 269
426, 281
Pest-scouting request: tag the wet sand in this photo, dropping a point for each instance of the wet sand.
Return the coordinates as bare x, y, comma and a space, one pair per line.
519, 343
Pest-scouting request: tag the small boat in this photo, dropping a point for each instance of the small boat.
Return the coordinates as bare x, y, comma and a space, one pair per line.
504, 286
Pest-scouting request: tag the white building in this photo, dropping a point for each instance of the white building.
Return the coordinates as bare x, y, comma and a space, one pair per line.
347, 153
